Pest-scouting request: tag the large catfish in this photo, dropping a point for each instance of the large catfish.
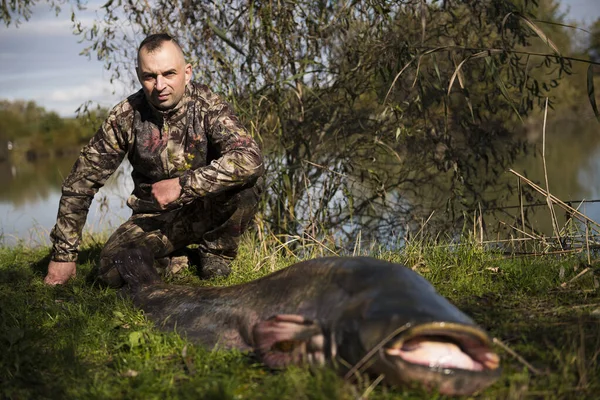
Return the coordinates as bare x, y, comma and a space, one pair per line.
357, 314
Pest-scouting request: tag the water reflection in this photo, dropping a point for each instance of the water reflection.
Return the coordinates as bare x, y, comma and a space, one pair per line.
30, 192
572, 167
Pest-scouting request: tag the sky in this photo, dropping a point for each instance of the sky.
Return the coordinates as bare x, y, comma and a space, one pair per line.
40, 60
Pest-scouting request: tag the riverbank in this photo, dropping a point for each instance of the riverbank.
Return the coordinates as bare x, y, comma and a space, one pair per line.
83, 341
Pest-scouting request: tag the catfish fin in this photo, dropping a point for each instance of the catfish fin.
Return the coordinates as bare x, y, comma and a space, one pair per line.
136, 267
287, 339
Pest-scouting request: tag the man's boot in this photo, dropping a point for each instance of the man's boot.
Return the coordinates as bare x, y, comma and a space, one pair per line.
213, 265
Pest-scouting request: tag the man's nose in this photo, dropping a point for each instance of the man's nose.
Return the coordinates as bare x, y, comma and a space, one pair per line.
160, 83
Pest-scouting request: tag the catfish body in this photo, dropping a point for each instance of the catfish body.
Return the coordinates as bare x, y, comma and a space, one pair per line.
326, 309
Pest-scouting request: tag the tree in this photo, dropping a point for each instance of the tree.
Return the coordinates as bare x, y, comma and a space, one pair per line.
376, 107
15, 11
594, 46
375, 111
32, 128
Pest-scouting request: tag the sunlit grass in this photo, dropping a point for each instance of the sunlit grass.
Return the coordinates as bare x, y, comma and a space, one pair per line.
84, 341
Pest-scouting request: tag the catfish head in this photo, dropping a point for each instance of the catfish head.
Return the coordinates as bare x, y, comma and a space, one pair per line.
397, 326
452, 358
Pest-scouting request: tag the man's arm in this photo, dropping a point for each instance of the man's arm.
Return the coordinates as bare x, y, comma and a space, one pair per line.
240, 160
96, 162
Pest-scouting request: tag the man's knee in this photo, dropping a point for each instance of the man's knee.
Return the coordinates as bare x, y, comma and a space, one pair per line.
245, 197
244, 203
252, 194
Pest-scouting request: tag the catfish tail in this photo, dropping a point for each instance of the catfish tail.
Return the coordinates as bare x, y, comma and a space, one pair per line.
136, 267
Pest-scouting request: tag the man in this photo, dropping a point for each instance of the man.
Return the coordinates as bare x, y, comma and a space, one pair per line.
197, 172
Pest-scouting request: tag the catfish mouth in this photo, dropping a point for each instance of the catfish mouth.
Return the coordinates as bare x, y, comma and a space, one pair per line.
456, 359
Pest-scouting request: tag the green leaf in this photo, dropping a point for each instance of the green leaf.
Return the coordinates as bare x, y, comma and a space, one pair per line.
135, 339
118, 314
504, 90
590, 91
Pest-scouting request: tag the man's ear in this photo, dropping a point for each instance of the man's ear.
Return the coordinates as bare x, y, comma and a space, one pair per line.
188, 73
137, 73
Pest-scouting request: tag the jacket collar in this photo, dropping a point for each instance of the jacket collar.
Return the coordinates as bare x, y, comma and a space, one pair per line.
172, 113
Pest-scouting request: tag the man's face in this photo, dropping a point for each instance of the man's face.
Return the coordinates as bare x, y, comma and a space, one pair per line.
163, 74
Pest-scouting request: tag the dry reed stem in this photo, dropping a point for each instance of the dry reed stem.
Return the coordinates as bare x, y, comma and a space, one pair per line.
480, 225
587, 243
321, 244
325, 168
356, 367
517, 356
548, 199
523, 239
579, 275
531, 235
580, 201
577, 307
475, 223
425, 223
357, 244
569, 218
547, 253
260, 223
520, 187
284, 245
371, 387
566, 207
382, 144
310, 203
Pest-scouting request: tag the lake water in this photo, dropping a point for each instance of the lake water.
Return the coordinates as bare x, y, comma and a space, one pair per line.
30, 191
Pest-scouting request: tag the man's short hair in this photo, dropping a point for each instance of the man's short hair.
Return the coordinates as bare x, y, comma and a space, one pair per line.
154, 41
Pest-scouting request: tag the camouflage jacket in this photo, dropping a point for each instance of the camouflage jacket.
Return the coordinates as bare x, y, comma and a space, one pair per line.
200, 141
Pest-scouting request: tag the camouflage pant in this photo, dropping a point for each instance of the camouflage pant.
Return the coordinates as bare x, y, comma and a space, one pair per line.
214, 223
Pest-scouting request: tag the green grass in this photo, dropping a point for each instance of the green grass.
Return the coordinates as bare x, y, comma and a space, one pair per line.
86, 342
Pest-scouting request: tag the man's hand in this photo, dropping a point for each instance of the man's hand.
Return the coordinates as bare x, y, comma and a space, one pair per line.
166, 191
59, 272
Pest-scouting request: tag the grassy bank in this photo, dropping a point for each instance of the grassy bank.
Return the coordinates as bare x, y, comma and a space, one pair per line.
83, 341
